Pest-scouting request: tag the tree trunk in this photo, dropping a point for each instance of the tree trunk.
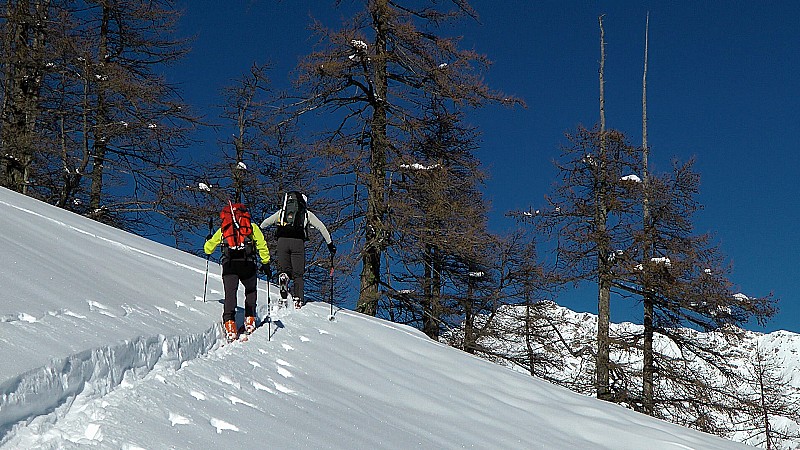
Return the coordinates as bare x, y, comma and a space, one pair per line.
529, 338
648, 363
602, 364
25, 47
432, 292
376, 180
100, 146
469, 319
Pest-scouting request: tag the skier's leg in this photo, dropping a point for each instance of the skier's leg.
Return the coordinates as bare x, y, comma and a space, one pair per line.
283, 256
298, 255
230, 283
250, 296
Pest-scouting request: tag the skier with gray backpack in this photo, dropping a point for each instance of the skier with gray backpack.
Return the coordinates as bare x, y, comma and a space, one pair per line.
292, 223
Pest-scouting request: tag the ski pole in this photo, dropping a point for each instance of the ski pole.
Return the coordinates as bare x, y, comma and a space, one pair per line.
269, 309
208, 257
331, 276
205, 283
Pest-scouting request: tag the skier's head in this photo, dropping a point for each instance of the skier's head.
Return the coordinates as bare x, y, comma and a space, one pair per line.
295, 196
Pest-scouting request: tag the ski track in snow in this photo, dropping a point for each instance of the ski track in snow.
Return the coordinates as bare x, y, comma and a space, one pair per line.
70, 394
93, 307
29, 318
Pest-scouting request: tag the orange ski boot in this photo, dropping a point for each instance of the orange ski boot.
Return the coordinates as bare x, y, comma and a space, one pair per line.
249, 324
231, 332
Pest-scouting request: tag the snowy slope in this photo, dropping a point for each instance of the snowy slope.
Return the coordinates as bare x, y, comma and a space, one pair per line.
106, 343
579, 330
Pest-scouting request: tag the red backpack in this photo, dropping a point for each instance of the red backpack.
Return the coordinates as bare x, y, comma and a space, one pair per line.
236, 225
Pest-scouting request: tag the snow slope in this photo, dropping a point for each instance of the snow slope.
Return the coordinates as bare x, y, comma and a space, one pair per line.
564, 336
107, 343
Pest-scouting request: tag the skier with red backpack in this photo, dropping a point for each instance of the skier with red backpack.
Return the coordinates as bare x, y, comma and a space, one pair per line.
243, 244
293, 221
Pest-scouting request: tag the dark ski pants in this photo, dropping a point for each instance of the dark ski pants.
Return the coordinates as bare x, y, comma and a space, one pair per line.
291, 256
230, 283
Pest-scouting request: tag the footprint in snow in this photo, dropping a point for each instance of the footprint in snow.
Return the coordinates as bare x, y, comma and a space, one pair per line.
74, 314
255, 364
221, 425
230, 382
95, 305
283, 388
283, 363
179, 304
163, 310
128, 310
284, 373
236, 400
287, 347
323, 332
100, 308
304, 339
24, 317
177, 419
198, 395
260, 387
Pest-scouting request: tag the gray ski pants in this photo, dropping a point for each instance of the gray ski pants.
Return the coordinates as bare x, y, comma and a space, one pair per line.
291, 256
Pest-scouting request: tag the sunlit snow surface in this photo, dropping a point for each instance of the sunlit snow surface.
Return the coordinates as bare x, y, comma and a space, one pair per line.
106, 343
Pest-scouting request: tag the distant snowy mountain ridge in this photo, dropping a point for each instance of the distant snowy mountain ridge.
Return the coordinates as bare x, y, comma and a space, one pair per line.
566, 356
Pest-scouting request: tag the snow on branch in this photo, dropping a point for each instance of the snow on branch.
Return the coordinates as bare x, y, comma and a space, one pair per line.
663, 260
741, 297
418, 166
359, 45
631, 178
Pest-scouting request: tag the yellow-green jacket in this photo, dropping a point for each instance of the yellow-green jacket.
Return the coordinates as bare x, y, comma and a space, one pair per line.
258, 238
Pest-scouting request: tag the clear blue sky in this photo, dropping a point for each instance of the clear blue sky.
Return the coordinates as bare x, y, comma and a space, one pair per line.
723, 87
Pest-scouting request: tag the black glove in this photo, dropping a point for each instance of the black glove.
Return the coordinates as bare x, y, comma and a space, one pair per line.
265, 269
332, 248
